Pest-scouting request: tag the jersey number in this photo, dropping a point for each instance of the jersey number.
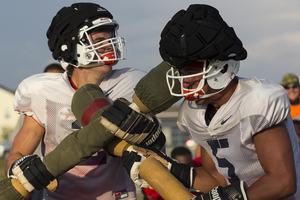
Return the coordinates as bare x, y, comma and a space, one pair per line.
223, 162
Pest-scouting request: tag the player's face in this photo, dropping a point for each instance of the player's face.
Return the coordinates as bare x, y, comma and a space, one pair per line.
191, 82
103, 47
101, 37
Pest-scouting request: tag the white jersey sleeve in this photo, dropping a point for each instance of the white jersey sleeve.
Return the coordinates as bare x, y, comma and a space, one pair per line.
35, 93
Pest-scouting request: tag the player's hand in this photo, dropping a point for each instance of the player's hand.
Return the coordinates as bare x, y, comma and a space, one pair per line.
130, 125
131, 160
31, 172
184, 173
235, 191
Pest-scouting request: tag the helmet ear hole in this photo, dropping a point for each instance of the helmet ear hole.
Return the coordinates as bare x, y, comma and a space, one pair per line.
222, 74
225, 68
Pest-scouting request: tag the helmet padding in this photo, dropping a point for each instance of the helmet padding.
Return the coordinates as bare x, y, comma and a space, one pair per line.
63, 32
199, 33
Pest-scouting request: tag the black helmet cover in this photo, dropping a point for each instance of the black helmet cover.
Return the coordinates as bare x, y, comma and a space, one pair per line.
199, 33
65, 26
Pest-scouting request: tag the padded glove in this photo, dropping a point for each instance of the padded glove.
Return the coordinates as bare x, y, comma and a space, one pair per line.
31, 172
130, 125
131, 159
234, 191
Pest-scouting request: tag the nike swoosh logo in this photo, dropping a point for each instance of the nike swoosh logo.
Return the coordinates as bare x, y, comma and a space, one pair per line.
224, 121
107, 94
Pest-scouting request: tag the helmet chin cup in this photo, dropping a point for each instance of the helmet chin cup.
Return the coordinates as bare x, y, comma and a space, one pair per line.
109, 58
193, 97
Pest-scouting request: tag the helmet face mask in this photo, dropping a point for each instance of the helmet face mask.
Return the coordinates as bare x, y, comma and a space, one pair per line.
217, 74
90, 54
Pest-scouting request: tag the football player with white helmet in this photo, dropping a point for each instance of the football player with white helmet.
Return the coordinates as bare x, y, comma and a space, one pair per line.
249, 148
83, 37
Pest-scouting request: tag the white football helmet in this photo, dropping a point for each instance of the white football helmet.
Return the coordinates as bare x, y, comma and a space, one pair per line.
215, 73
87, 54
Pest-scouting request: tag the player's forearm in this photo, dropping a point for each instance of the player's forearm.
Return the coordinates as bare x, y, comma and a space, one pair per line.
268, 187
204, 181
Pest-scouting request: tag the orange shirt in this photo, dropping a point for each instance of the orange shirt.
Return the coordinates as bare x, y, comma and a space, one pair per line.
295, 110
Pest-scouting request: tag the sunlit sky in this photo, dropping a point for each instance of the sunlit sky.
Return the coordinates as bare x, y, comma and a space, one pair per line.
269, 30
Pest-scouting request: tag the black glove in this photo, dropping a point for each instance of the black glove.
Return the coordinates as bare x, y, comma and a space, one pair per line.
234, 191
131, 160
130, 125
31, 172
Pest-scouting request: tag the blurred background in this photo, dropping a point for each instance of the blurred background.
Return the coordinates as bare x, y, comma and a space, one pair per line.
269, 30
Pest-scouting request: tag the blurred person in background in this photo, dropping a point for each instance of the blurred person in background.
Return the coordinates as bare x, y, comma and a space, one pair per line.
184, 156
54, 68
290, 82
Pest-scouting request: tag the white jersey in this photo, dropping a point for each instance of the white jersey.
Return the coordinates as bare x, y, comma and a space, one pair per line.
255, 105
47, 98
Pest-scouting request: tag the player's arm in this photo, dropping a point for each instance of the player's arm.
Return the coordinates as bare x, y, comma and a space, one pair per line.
274, 151
88, 104
203, 179
147, 97
207, 177
35, 173
213, 185
146, 92
26, 141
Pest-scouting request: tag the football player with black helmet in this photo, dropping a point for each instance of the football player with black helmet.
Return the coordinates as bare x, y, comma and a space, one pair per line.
84, 38
249, 148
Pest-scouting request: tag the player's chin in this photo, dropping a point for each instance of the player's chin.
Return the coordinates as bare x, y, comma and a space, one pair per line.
106, 69
200, 101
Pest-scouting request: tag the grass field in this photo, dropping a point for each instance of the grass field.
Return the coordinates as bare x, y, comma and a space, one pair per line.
2, 164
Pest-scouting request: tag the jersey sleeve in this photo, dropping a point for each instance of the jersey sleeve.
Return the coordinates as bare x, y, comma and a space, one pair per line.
270, 106
27, 102
24, 96
33, 92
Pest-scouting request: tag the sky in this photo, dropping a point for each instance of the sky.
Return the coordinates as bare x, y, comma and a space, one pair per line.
269, 30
